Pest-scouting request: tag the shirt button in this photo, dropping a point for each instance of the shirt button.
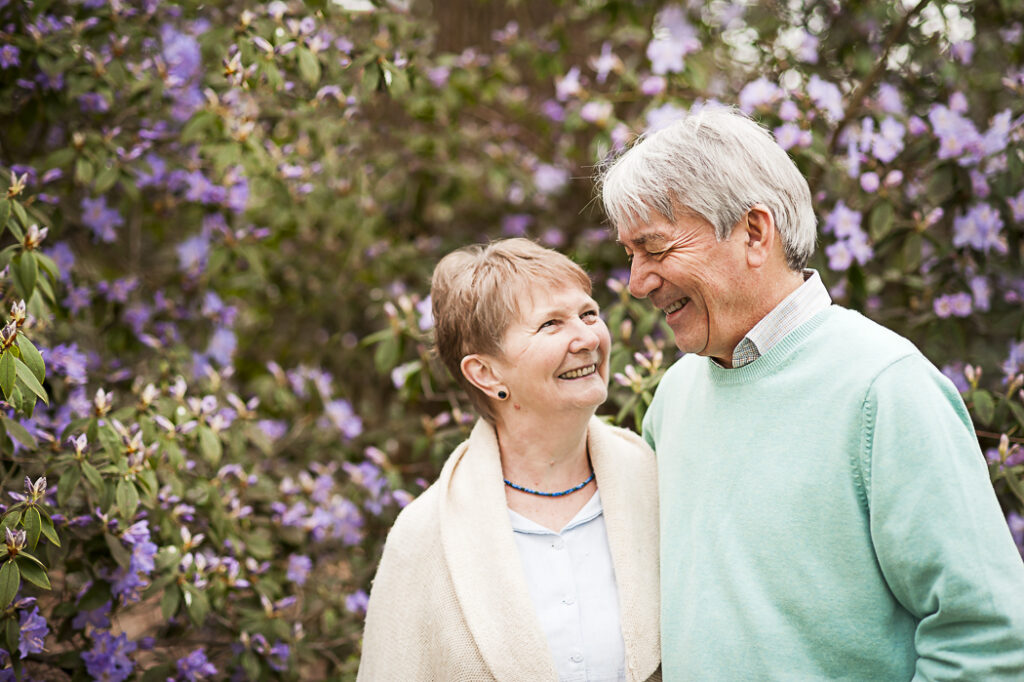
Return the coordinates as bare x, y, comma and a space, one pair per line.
558, 544
576, 658
569, 601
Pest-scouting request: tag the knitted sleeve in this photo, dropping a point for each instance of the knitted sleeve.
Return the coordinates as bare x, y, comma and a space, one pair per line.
939, 534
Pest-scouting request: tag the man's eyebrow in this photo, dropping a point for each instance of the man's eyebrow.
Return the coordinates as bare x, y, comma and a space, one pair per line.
642, 239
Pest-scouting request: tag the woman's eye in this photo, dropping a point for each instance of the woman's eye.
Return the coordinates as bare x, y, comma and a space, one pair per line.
549, 323
589, 316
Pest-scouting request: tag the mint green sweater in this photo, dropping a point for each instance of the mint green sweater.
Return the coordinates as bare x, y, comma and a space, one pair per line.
826, 514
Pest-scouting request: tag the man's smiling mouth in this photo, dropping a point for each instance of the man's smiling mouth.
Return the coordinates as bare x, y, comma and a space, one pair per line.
677, 305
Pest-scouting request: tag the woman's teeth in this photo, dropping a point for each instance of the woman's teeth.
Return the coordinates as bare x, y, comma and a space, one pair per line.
577, 373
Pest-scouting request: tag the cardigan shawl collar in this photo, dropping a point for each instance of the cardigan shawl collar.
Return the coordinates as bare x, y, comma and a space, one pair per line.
486, 570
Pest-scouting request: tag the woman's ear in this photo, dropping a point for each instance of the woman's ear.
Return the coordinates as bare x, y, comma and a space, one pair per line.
479, 370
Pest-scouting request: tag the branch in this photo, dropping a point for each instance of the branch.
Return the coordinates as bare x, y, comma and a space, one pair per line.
856, 99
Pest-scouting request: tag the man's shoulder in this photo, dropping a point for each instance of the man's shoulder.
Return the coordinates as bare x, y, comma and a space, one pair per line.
851, 336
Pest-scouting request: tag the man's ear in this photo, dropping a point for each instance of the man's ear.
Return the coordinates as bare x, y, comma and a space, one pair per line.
480, 371
761, 237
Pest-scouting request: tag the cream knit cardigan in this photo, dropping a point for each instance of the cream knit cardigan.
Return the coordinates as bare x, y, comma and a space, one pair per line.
450, 600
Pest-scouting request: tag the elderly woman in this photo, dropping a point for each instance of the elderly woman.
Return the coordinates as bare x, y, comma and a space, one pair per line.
534, 554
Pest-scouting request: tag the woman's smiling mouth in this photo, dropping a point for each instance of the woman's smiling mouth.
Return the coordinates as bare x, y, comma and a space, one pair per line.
577, 373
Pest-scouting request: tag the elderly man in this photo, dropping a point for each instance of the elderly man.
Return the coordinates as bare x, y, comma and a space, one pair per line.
826, 512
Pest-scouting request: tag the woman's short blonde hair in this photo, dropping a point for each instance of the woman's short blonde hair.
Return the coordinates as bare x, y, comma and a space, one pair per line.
475, 296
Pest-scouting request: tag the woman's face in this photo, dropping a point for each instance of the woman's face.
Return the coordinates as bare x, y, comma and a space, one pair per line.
556, 354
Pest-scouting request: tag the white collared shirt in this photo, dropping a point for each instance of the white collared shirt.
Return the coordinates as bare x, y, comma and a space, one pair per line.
808, 300
572, 586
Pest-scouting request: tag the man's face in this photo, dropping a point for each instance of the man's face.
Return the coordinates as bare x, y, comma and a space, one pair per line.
697, 281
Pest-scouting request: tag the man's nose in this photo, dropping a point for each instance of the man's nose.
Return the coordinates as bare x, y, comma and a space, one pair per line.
641, 280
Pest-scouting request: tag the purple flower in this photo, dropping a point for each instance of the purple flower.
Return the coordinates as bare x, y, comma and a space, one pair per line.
64, 258
222, 346
596, 111
1016, 522
78, 299
662, 116
101, 219
67, 360
108, 659
605, 63
426, 314
960, 304
195, 666
438, 75
962, 51
889, 99
653, 85
192, 254
826, 96
759, 92
549, 179
299, 566
955, 373
273, 428
979, 228
9, 56
942, 307
869, 182
93, 103
98, 618
344, 418
32, 633
843, 221
676, 39
789, 135
516, 224
1016, 204
981, 292
789, 111
552, 110
568, 85
357, 602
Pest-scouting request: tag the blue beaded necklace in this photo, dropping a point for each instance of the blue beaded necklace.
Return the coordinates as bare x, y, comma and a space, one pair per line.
590, 478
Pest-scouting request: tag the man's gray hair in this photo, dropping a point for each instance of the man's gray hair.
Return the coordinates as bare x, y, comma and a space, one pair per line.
716, 164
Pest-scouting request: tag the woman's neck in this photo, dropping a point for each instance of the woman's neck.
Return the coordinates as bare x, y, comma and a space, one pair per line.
548, 455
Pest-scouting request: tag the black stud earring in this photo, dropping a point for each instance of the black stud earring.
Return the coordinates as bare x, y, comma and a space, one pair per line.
502, 395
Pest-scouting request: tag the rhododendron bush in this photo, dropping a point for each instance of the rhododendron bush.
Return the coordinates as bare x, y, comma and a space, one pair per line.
217, 235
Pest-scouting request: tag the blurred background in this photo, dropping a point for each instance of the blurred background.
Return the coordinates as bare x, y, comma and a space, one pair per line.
222, 218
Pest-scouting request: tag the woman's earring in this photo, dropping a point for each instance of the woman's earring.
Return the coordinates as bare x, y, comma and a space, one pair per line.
502, 395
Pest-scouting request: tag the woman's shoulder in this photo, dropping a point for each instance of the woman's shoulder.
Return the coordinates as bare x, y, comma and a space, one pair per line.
625, 441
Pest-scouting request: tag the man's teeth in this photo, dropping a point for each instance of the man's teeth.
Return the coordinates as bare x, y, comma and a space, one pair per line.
672, 307
577, 373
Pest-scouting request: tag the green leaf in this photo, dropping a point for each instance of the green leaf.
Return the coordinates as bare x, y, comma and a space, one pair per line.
29, 380
209, 445
197, 603
106, 179
93, 475
30, 356
11, 520
19, 211
12, 634
309, 66
47, 264
1018, 411
34, 574
48, 530
127, 498
7, 373
67, 483
881, 220
118, 551
18, 432
33, 526
984, 406
10, 580
5, 213
25, 271
170, 601
83, 171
